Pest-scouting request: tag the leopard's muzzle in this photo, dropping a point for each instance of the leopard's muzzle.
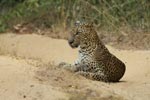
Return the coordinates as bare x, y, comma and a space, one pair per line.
73, 42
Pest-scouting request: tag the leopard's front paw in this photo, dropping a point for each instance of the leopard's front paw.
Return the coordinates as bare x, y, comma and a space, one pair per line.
67, 66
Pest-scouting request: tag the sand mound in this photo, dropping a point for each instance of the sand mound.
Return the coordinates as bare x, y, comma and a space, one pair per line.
35, 77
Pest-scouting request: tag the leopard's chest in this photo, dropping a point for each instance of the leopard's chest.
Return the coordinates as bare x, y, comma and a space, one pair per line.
84, 57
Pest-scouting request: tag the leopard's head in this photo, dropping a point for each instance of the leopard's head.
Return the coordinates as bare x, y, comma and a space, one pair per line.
83, 34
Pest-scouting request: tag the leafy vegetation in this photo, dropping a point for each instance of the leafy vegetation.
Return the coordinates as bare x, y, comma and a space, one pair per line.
110, 15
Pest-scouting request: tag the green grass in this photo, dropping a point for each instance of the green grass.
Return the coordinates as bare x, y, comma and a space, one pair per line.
109, 15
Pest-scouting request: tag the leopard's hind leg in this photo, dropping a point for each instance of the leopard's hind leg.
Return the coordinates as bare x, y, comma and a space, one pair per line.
93, 76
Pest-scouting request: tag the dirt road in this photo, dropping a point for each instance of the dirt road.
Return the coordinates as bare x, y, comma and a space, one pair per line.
17, 82
30, 73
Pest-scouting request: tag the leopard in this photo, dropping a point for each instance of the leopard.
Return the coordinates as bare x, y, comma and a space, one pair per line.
94, 61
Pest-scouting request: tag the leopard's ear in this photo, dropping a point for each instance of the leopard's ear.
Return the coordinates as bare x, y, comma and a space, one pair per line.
77, 23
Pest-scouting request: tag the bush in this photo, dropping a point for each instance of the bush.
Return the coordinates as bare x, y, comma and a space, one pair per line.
106, 14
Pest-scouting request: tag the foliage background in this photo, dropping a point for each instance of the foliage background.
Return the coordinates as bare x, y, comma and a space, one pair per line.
115, 17
107, 14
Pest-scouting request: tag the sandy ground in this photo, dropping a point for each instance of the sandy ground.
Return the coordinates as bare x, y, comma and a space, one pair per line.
28, 72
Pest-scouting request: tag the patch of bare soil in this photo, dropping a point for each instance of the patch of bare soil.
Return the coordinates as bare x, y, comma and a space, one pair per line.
132, 41
17, 82
125, 39
37, 77
78, 87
